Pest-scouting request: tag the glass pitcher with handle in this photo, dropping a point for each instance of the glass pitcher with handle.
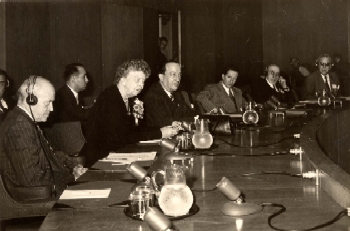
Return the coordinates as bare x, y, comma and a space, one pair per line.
202, 139
175, 197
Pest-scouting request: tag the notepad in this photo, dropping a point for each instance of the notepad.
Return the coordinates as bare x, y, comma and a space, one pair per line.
150, 141
85, 194
308, 102
236, 115
129, 157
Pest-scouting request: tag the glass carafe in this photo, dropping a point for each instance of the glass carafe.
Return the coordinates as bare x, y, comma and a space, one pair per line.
250, 116
324, 99
175, 198
202, 138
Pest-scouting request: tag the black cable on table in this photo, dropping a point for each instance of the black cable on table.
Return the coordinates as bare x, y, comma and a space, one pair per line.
282, 209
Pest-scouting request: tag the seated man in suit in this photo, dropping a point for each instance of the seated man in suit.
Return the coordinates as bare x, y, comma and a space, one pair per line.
321, 79
222, 95
68, 104
26, 157
164, 105
272, 90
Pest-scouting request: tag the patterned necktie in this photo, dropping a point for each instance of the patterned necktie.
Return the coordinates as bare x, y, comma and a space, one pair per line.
327, 83
232, 98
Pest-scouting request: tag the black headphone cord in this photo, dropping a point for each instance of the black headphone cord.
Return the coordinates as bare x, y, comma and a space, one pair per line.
46, 156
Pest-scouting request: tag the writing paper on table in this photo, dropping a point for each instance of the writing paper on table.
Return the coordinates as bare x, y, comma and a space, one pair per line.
85, 194
157, 141
129, 157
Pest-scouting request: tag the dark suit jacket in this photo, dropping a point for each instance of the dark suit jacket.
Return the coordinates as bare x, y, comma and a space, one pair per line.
110, 127
160, 111
314, 83
24, 154
262, 92
215, 96
66, 108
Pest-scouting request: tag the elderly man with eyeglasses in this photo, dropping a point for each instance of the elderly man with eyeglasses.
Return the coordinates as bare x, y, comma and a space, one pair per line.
271, 90
322, 79
164, 104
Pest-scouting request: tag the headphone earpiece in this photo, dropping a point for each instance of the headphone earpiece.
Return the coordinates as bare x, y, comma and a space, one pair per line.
322, 56
31, 98
266, 71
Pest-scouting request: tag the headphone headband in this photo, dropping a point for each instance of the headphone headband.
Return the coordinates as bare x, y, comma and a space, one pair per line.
31, 98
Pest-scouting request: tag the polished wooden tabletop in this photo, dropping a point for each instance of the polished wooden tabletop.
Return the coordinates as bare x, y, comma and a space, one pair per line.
256, 159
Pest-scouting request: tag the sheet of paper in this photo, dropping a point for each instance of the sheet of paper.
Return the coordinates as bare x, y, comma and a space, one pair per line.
345, 97
308, 101
85, 194
126, 158
236, 115
150, 141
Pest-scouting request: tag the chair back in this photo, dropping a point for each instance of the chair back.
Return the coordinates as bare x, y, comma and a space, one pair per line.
11, 208
66, 136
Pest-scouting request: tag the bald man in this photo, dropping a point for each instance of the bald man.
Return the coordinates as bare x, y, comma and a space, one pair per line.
26, 157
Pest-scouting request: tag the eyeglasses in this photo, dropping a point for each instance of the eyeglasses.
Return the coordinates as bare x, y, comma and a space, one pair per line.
174, 75
275, 74
325, 64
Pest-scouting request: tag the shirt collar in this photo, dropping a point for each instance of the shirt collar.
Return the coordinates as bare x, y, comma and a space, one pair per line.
226, 88
3, 103
167, 92
23, 109
270, 84
74, 92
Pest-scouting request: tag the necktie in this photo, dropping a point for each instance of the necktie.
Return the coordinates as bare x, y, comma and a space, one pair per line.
77, 99
43, 136
327, 83
172, 98
233, 99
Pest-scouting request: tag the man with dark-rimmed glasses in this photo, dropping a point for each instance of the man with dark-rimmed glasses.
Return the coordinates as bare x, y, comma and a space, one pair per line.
322, 79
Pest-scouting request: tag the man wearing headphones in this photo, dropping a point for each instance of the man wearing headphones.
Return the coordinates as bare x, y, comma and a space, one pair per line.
272, 89
27, 159
321, 79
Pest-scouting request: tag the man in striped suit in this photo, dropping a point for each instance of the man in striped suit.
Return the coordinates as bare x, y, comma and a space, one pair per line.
26, 157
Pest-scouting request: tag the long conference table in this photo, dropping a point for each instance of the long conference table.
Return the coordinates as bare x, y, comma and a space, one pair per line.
264, 161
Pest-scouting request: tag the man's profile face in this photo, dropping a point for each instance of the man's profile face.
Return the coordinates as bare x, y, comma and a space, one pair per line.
3, 83
229, 79
172, 77
42, 109
324, 65
80, 79
273, 74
